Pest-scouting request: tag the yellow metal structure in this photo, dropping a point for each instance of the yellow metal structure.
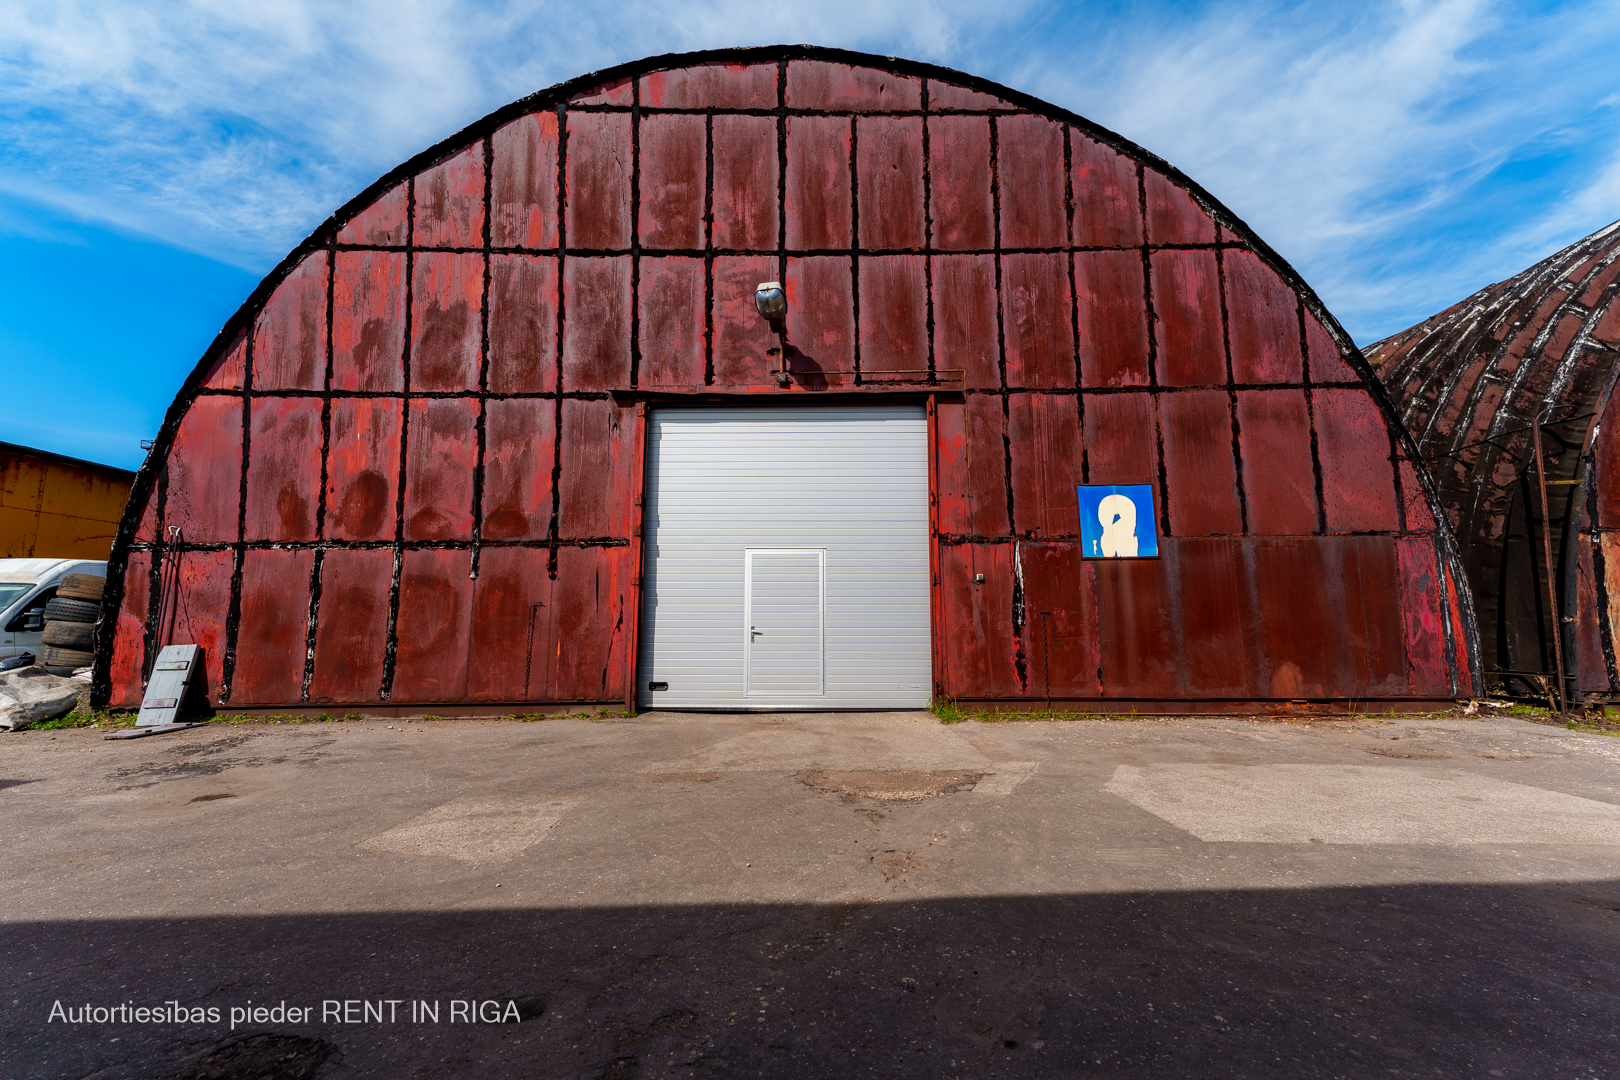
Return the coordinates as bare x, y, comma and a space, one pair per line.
58, 507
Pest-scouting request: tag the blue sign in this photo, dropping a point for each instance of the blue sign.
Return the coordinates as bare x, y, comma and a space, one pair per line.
1117, 521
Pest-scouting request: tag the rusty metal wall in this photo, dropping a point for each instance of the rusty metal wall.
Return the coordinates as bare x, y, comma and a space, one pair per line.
415, 457
1469, 383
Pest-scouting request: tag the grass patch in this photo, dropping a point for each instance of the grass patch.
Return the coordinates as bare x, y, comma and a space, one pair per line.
1602, 724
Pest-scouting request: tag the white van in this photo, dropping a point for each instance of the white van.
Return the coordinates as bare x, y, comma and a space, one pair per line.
25, 586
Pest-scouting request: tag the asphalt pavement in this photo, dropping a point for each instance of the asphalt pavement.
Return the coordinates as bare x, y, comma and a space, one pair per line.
868, 894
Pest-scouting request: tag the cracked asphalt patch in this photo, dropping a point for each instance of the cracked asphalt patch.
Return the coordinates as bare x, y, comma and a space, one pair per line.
683, 895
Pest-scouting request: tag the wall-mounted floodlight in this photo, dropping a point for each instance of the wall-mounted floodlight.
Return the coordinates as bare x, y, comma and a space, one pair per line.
771, 301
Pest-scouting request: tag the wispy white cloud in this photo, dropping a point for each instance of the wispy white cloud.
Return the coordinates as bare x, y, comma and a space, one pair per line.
1400, 153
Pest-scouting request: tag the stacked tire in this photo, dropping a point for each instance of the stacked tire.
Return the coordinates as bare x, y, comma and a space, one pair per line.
70, 624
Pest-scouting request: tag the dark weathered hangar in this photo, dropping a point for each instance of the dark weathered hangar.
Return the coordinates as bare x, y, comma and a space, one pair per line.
509, 428
1473, 384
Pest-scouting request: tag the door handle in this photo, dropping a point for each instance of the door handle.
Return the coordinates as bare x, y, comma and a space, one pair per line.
751, 630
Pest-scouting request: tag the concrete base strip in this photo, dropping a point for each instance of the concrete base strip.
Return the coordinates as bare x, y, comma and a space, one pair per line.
1361, 804
482, 829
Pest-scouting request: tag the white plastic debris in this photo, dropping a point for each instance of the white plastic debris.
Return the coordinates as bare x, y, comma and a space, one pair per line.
30, 695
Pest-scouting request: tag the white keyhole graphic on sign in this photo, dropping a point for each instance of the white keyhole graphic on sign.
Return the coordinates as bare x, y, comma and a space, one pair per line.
1118, 517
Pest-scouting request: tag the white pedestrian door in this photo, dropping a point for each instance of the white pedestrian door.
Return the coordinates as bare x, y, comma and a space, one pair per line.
784, 604
786, 560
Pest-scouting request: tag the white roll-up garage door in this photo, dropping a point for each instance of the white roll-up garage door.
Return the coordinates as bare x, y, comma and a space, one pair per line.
787, 559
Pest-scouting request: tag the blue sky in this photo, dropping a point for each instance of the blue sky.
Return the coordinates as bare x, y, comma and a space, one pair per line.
157, 158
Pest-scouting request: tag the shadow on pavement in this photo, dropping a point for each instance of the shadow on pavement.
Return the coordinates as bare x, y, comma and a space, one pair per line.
1452, 980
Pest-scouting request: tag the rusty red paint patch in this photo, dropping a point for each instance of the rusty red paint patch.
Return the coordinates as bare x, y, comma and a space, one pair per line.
350, 638
972, 464
284, 469
1199, 473
740, 335
596, 332
894, 289
813, 84
146, 530
368, 324
520, 445
1187, 302
619, 92
1216, 618
889, 179
129, 633
1030, 156
289, 341
711, 86
671, 322
522, 324
512, 635
1038, 321
1358, 483
965, 318
1591, 668
1121, 444
1419, 518
363, 468
818, 182
1423, 617
1060, 629
435, 627
230, 366
1136, 632
381, 223
599, 162
1274, 433
673, 178
523, 183
439, 468
1327, 364
205, 471
1172, 215
587, 648
821, 318
1264, 319
1107, 204
960, 200
446, 330
1046, 468
1110, 289
275, 603
745, 175
450, 201
594, 486
196, 616
977, 635
943, 95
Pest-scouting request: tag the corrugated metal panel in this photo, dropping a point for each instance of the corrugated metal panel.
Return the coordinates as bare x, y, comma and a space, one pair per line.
852, 482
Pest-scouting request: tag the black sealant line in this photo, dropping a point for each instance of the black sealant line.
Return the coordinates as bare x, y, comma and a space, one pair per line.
553, 528
1600, 572
1001, 322
391, 647
1074, 303
233, 614
781, 113
708, 249
797, 253
855, 244
1151, 314
482, 423
535, 543
1238, 485
635, 232
152, 476
1310, 420
928, 236
313, 620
